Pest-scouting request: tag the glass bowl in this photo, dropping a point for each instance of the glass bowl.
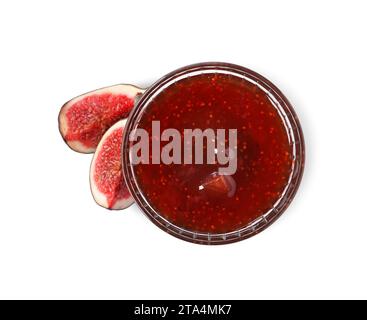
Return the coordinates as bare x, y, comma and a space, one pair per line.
158, 100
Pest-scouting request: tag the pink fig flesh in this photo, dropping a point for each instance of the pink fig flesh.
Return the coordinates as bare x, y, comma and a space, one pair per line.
106, 178
84, 119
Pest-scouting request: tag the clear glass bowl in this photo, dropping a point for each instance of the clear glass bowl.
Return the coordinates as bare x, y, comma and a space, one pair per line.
291, 123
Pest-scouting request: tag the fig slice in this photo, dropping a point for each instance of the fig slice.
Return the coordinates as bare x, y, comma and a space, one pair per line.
218, 185
106, 178
84, 119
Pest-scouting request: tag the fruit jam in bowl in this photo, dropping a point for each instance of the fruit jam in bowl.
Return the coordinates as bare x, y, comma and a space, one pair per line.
213, 153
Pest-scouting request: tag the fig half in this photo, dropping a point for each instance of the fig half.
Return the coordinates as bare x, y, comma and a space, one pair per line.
83, 120
106, 178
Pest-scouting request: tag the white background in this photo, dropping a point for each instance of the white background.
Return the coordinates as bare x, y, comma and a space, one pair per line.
55, 242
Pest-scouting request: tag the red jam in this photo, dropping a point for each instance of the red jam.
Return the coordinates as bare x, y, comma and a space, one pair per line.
194, 197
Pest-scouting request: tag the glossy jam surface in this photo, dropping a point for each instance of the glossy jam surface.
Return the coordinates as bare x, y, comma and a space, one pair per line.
193, 196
